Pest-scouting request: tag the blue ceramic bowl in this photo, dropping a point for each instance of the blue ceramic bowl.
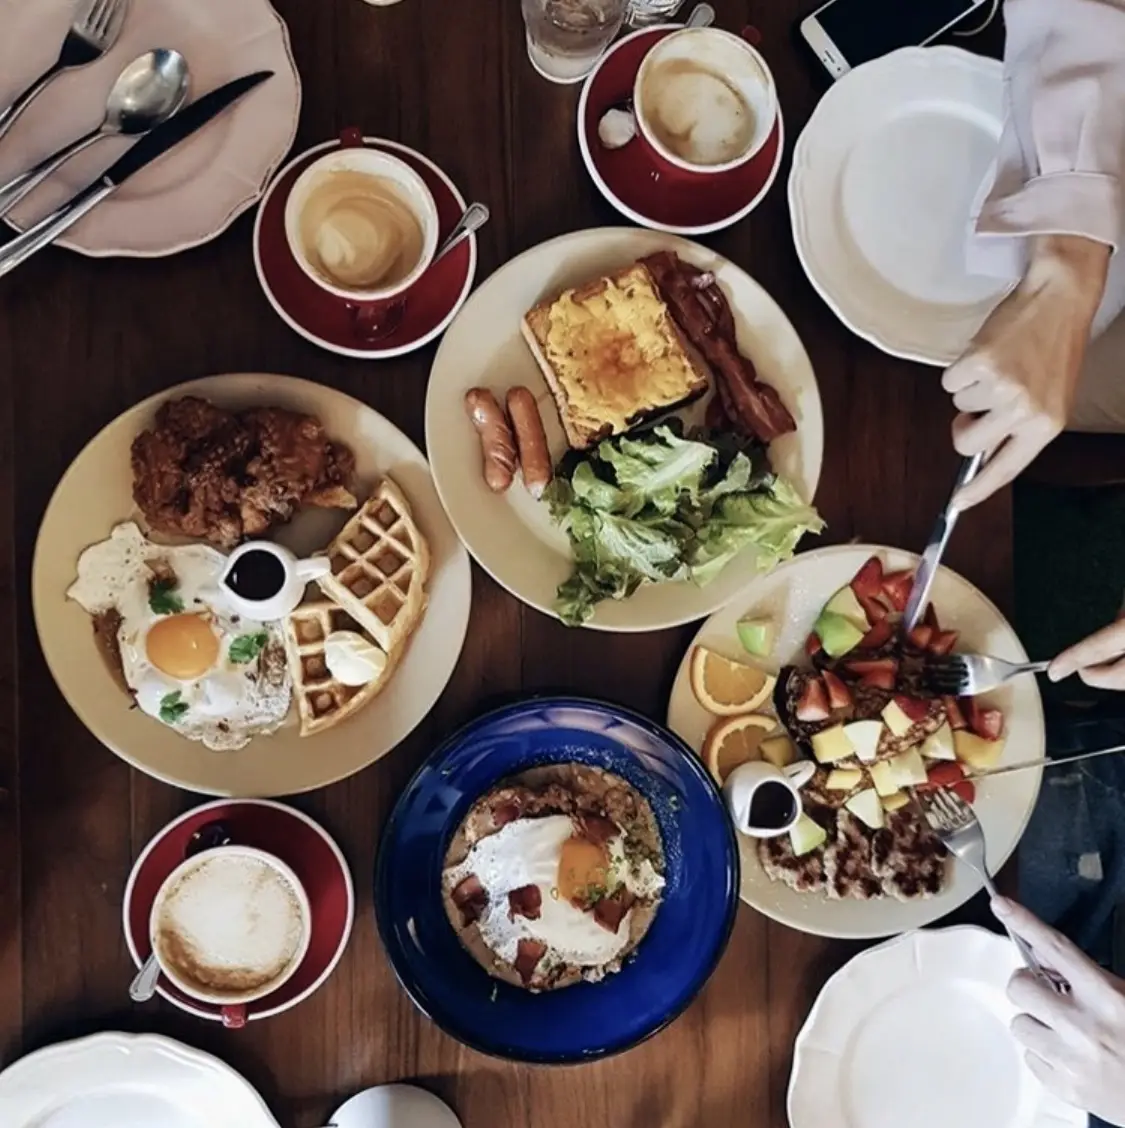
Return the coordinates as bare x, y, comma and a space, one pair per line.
670, 965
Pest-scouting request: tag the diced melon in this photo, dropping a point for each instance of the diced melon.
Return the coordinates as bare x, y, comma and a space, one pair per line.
844, 779
939, 745
837, 635
832, 744
865, 737
756, 636
779, 751
883, 778
896, 801
978, 753
868, 808
805, 835
845, 604
908, 769
897, 721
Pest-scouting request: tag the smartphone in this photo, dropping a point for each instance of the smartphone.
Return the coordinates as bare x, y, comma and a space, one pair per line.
844, 33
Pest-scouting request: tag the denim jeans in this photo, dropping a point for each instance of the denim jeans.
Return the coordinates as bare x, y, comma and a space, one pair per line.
1072, 857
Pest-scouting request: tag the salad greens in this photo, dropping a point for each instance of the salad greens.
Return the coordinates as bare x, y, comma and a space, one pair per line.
659, 505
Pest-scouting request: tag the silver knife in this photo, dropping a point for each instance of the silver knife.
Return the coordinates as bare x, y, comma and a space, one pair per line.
939, 538
1042, 762
149, 148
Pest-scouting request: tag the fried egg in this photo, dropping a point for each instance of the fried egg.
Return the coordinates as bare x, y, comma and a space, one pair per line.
187, 657
549, 853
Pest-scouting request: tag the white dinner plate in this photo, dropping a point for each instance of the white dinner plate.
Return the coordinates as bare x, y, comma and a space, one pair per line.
96, 493
194, 192
885, 181
791, 597
511, 535
127, 1081
394, 1106
916, 1032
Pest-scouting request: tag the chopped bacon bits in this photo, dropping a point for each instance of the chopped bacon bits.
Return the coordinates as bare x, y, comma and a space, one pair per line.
528, 955
610, 911
471, 897
597, 829
527, 901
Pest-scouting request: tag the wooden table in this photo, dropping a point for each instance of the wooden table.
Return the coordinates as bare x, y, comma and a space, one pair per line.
81, 340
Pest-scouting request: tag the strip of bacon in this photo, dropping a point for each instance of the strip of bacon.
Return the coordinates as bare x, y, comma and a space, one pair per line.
610, 911
471, 897
527, 901
504, 813
528, 955
597, 829
702, 313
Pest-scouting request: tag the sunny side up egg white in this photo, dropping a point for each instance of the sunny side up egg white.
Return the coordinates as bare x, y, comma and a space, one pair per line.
528, 852
189, 659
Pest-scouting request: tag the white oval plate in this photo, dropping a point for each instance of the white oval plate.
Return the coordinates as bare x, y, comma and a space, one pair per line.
95, 493
916, 1032
191, 194
792, 596
127, 1081
511, 535
882, 193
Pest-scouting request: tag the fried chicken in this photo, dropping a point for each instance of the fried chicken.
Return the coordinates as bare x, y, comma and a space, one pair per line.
221, 476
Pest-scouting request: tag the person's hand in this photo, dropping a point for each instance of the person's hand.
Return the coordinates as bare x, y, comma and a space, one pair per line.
1075, 1043
1098, 660
1015, 384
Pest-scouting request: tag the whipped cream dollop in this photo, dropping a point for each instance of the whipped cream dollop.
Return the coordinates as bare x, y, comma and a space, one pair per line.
359, 231
353, 659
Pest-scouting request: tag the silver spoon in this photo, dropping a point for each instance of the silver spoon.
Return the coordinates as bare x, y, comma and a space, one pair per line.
148, 91
702, 15
472, 219
207, 837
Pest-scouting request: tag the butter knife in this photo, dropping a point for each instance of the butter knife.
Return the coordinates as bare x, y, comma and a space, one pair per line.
1042, 762
935, 549
149, 148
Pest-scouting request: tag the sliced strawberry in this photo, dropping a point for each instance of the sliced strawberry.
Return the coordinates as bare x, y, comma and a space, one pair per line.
868, 582
812, 705
920, 636
839, 696
875, 609
943, 641
953, 713
813, 644
915, 708
929, 617
896, 587
879, 635
950, 774
861, 667
879, 679
986, 723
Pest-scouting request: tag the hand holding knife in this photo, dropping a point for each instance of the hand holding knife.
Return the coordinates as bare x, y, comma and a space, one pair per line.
151, 147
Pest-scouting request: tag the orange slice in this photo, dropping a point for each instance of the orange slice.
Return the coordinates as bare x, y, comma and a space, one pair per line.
728, 688
735, 740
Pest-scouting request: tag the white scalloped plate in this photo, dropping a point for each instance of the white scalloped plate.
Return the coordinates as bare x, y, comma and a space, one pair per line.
191, 194
915, 1032
791, 597
886, 178
127, 1081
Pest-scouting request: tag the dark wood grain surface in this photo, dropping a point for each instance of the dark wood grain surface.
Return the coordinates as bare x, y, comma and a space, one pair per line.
82, 339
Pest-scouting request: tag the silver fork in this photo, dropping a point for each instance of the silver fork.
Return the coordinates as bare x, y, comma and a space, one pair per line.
96, 26
957, 825
967, 675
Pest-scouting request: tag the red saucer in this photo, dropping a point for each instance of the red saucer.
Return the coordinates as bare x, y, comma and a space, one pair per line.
335, 323
296, 840
643, 185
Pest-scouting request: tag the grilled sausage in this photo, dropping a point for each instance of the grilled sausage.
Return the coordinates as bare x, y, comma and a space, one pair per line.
535, 458
498, 447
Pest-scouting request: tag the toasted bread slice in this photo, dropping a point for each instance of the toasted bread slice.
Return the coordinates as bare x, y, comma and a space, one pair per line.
612, 355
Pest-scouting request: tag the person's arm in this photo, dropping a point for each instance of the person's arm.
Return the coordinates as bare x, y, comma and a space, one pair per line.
1060, 188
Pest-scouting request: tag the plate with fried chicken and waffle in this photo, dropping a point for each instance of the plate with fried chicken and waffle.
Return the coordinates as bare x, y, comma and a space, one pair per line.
625, 429
811, 664
168, 648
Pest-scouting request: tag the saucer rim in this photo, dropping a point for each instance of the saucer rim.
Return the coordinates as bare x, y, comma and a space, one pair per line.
375, 353
162, 833
630, 213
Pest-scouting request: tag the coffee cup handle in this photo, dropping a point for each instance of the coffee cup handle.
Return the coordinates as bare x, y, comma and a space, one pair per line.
234, 1017
351, 137
752, 35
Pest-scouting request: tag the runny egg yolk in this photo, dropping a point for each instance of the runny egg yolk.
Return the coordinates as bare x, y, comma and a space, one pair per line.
182, 646
583, 870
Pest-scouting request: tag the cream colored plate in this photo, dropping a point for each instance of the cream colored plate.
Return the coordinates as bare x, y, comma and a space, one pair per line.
916, 1032
96, 493
791, 597
511, 535
193, 192
127, 1081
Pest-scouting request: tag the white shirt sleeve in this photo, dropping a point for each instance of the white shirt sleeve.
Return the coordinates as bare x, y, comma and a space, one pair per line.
1061, 165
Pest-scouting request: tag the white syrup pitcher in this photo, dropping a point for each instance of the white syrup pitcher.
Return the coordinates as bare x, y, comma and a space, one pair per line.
764, 801
265, 581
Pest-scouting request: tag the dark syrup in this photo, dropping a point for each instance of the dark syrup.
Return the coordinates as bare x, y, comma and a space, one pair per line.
772, 807
257, 575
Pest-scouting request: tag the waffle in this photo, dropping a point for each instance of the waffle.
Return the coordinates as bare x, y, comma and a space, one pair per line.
380, 564
322, 701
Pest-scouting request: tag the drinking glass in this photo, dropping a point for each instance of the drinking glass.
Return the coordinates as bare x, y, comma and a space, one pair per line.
642, 13
565, 38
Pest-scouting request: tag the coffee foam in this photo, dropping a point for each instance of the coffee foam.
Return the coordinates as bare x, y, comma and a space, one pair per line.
230, 925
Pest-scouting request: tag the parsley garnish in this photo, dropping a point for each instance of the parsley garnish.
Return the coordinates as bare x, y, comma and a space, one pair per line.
172, 707
162, 598
247, 647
